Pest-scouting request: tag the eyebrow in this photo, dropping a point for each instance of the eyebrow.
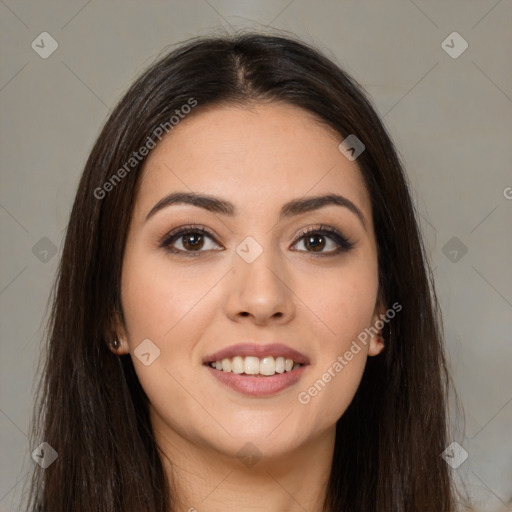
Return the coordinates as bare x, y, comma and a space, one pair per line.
289, 209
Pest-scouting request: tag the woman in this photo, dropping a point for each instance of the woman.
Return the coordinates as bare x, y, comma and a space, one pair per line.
243, 317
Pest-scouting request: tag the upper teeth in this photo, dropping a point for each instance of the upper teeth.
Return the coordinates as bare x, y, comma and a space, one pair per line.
253, 365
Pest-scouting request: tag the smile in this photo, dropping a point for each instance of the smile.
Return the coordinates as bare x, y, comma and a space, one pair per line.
257, 369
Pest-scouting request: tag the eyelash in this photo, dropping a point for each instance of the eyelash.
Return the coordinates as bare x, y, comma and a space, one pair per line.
343, 243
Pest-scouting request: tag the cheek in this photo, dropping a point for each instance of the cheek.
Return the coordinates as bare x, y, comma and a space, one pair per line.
341, 358
330, 390
171, 305
159, 298
343, 302
162, 302
345, 306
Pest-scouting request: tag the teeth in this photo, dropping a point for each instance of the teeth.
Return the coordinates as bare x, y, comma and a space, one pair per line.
238, 365
251, 365
226, 365
267, 366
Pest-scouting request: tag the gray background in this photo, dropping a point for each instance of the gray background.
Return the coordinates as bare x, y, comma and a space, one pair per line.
450, 119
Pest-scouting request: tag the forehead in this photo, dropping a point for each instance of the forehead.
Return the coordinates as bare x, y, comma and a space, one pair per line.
259, 156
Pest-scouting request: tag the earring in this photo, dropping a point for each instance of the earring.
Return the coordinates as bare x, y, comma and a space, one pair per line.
115, 344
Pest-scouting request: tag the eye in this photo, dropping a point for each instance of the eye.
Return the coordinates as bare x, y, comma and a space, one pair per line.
317, 239
191, 238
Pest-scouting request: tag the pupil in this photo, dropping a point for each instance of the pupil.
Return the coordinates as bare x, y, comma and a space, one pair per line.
316, 246
194, 244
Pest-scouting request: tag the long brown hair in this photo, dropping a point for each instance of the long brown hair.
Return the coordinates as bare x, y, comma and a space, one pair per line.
92, 409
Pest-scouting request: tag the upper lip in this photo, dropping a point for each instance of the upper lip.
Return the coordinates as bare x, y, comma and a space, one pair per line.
258, 350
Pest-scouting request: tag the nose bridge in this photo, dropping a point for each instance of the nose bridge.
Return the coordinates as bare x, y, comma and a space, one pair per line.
259, 280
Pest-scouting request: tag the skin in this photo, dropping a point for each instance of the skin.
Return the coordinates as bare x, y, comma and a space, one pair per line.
258, 158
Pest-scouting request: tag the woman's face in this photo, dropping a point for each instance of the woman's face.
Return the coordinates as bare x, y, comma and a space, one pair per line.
252, 279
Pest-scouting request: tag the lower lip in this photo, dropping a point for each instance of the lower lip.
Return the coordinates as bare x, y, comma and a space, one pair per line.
258, 385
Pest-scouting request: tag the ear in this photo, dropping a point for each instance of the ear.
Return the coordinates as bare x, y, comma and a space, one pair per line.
118, 332
378, 322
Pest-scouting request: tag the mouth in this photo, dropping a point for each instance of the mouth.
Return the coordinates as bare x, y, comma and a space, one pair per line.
257, 370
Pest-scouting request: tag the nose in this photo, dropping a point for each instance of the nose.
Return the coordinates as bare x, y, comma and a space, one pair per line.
260, 291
